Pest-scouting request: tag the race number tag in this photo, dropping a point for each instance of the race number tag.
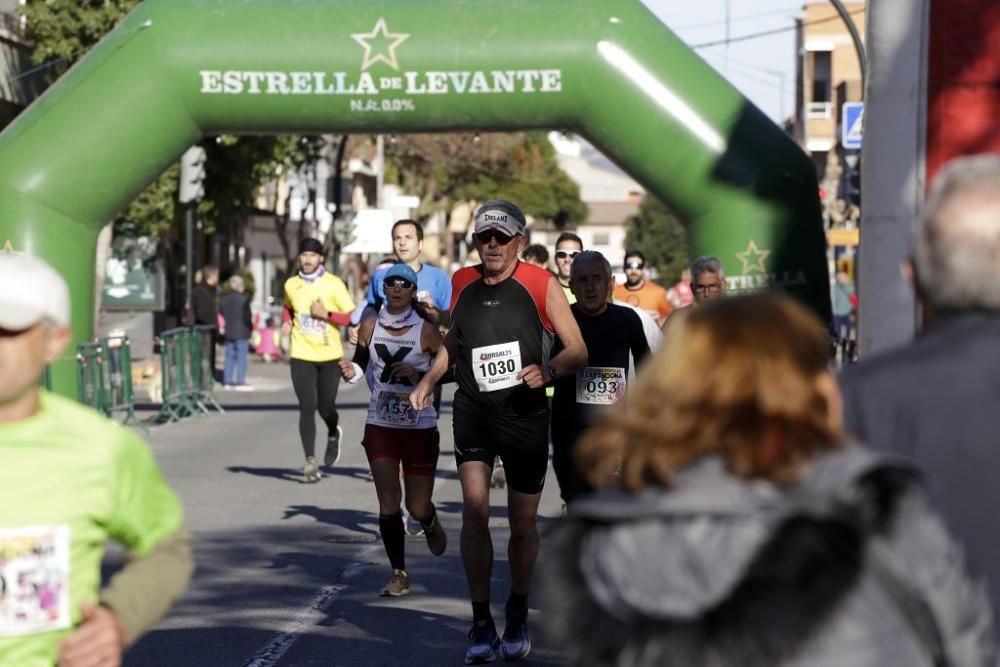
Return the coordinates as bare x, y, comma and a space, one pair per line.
599, 385
34, 580
496, 367
310, 325
393, 408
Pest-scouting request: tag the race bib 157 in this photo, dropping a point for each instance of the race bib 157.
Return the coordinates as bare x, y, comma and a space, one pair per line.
496, 367
600, 385
393, 408
34, 579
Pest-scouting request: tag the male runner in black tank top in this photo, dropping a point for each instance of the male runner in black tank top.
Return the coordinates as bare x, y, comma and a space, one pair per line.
614, 337
504, 316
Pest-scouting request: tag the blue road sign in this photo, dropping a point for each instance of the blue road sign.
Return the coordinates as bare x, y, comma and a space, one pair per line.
851, 123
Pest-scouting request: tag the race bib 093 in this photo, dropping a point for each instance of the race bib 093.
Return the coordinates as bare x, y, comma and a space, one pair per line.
496, 367
600, 385
34, 580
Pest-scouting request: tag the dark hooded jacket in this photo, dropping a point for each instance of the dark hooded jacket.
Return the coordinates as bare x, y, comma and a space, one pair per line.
847, 568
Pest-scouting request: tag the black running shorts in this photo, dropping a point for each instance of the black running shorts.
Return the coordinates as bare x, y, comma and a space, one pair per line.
521, 440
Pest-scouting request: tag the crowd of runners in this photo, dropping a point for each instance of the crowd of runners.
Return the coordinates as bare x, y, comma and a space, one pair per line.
718, 511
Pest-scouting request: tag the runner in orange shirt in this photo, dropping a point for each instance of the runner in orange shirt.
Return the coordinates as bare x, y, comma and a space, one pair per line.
642, 293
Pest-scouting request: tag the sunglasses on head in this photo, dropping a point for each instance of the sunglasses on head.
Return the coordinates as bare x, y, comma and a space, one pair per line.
485, 236
634, 265
563, 254
400, 283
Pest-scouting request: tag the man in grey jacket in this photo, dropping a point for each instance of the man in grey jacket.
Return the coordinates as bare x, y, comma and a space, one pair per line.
937, 400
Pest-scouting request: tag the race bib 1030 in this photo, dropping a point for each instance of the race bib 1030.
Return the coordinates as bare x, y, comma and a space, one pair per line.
496, 367
34, 579
600, 385
393, 408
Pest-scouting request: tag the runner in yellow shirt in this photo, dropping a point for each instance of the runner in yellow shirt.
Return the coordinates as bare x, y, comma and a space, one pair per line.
317, 304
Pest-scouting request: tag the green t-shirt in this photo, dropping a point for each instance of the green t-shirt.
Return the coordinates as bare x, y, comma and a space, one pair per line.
69, 480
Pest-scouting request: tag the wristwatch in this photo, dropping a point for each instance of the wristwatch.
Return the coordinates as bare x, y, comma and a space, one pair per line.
552, 371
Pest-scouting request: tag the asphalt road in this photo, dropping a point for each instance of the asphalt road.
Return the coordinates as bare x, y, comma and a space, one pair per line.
288, 573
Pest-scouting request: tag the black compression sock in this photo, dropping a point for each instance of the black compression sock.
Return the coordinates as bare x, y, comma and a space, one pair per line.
517, 605
481, 614
394, 539
429, 521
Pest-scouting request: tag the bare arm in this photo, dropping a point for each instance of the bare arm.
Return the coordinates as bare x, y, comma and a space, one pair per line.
573, 356
361, 353
421, 396
574, 353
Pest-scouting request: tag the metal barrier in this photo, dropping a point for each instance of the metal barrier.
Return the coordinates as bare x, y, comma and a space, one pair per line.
174, 369
202, 371
104, 375
90, 375
118, 393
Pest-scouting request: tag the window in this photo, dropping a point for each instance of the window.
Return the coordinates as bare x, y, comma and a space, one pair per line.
822, 77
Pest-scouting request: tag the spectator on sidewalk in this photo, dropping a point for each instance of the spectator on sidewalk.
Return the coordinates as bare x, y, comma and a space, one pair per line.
737, 528
238, 329
70, 480
268, 342
937, 399
205, 307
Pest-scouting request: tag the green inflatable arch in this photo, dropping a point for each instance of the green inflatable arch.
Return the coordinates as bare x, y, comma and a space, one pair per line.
176, 70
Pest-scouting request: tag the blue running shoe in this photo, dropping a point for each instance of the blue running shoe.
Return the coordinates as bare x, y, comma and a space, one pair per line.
483, 645
516, 644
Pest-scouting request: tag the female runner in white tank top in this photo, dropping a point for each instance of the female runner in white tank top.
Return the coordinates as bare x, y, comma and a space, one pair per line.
395, 348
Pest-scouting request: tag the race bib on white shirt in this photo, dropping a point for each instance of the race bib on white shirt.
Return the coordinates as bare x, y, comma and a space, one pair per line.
495, 367
600, 385
393, 408
34, 580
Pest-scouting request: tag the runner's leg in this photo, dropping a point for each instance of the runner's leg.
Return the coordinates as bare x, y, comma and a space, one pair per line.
327, 383
476, 542
522, 550
304, 382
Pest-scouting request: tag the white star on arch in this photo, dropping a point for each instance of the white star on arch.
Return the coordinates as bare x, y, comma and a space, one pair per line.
389, 56
755, 264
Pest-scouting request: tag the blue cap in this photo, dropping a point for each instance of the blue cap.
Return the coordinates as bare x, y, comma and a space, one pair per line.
401, 270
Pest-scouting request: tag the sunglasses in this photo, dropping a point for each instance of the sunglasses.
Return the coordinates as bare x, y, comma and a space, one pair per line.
485, 237
563, 254
398, 283
634, 265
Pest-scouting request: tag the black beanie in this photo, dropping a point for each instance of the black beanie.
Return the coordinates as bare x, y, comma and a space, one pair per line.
311, 245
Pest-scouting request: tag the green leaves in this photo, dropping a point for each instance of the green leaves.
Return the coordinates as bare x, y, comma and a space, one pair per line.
445, 168
661, 237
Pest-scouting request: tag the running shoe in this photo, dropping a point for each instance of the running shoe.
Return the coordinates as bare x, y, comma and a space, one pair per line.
333, 448
398, 586
311, 471
483, 645
516, 644
437, 539
499, 478
243, 387
411, 526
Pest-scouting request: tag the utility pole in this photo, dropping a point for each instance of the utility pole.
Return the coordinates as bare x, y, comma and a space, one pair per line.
190, 190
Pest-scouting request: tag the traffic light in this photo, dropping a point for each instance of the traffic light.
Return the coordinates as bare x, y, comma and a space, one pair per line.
344, 230
852, 178
192, 180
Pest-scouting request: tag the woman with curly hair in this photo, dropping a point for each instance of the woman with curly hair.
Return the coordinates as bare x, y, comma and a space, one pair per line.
737, 527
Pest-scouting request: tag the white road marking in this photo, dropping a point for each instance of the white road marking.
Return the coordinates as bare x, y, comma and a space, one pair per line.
315, 611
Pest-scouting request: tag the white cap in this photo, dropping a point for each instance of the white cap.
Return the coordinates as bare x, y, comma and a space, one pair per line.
31, 292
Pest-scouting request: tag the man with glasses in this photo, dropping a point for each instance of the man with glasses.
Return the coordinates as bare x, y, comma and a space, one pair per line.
568, 246
505, 314
642, 293
708, 281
